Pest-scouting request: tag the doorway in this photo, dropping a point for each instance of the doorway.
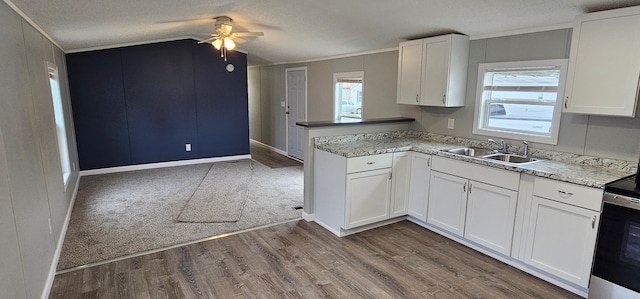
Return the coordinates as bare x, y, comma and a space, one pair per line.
296, 98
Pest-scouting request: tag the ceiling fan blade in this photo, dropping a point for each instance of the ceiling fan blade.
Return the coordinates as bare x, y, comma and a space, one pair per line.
202, 33
239, 40
207, 40
239, 34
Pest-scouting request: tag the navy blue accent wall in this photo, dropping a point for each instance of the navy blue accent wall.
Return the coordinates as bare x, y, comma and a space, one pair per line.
161, 106
142, 104
218, 97
99, 109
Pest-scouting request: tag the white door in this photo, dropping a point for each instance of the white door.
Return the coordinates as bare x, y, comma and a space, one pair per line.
491, 213
296, 110
419, 185
561, 239
368, 196
447, 202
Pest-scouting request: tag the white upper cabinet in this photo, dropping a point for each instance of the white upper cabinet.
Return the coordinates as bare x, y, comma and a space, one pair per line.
409, 72
604, 65
433, 71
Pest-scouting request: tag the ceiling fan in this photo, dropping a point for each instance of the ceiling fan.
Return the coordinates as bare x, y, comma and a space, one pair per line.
225, 40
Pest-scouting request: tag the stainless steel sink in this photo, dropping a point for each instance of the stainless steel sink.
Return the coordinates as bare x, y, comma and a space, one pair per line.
511, 158
471, 151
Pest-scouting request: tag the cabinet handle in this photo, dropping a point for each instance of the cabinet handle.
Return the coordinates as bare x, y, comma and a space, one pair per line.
418, 98
390, 174
470, 186
371, 163
428, 162
593, 222
464, 187
565, 193
565, 102
444, 98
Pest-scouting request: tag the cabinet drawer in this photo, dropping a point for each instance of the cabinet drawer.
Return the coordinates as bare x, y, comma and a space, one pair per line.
371, 162
576, 195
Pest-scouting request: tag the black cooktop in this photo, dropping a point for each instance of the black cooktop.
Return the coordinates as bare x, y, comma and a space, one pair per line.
624, 186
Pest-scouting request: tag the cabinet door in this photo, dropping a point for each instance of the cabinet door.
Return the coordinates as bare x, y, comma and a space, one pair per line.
447, 202
435, 73
561, 239
368, 195
604, 67
409, 72
400, 184
491, 215
419, 185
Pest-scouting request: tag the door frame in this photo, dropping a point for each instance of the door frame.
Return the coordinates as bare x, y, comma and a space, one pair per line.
286, 102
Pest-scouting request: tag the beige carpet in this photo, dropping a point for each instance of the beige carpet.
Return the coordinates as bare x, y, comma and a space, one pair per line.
130, 212
222, 194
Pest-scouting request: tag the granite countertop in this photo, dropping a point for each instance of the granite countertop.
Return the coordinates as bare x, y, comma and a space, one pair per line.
583, 170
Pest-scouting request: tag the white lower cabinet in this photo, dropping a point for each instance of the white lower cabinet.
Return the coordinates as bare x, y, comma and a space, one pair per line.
400, 184
473, 201
354, 192
419, 185
561, 239
490, 216
367, 198
447, 202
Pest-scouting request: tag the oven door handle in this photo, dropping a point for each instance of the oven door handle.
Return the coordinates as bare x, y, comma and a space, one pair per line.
593, 222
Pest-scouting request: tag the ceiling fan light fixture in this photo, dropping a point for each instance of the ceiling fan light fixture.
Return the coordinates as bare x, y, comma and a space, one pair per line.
229, 44
217, 43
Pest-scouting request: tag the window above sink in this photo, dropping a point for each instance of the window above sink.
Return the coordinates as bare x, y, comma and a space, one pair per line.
520, 100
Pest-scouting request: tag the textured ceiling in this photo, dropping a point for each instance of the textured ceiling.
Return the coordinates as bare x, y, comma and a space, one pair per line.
295, 30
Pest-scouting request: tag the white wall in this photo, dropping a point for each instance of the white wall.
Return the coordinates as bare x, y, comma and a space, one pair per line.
610, 137
31, 191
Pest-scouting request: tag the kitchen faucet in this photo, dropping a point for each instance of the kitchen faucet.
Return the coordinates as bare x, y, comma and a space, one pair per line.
502, 145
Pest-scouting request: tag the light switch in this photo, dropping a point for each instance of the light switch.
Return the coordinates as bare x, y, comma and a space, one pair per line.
282, 104
187, 147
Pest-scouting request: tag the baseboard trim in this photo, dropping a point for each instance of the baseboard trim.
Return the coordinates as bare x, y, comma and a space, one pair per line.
63, 233
162, 165
275, 149
308, 217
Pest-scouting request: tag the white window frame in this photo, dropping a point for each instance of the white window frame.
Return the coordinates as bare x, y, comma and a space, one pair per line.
59, 122
336, 112
552, 138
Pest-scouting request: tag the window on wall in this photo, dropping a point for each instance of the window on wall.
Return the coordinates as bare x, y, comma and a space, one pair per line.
520, 100
348, 96
58, 111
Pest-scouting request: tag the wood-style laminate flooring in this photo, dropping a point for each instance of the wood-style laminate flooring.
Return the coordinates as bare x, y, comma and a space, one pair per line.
302, 260
267, 157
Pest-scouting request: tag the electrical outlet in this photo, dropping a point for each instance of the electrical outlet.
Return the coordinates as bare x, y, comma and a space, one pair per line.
187, 147
450, 124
